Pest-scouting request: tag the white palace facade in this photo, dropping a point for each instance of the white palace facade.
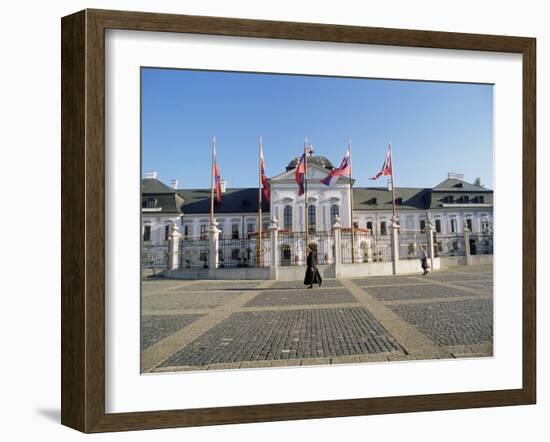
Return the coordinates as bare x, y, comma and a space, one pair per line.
450, 206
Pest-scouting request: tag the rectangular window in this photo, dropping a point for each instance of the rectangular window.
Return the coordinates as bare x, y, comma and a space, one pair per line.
465, 199
186, 232
166, 233
203, 231
147, 233
383, 228
369, 226
453, 225
234, 231
469, 223
422, 226
249, 229
438, 225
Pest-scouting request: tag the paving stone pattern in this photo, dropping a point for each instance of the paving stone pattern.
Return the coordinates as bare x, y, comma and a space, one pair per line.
452, 323
300, 285
185, 299
413, 292
157, 327
225, 285
384, 280
273, 335
301, 297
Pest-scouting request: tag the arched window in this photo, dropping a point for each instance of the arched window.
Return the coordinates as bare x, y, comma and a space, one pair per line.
287, 215
334, 212
311, 217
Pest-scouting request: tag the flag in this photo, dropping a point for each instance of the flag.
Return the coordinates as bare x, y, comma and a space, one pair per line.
300, 175
265, 183
386, 167
217, 180
341, 170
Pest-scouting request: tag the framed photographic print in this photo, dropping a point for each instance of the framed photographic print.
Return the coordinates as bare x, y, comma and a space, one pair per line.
270, 220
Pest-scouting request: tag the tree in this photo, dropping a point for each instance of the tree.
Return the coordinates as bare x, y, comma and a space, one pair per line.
477, 182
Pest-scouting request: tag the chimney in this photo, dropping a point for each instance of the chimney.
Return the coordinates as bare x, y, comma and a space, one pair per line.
390, 185
174, 184
152, 174
455, 176
223, 185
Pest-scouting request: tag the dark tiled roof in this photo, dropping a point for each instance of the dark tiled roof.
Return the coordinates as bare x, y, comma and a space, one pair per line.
166, 198
152, 185
455, 185
380, 198
233, 201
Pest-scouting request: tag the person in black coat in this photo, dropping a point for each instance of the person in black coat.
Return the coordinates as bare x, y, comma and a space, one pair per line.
312, 272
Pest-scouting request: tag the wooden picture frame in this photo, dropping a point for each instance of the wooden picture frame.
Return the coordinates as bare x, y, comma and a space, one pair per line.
83, 220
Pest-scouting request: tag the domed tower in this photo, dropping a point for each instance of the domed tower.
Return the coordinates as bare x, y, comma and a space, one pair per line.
318, 160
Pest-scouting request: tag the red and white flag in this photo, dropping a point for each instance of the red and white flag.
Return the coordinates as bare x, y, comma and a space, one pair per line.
341, 170
386, 167
217, 180
300, 175
265, 183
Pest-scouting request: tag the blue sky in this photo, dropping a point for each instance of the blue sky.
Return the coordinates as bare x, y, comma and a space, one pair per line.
434, 128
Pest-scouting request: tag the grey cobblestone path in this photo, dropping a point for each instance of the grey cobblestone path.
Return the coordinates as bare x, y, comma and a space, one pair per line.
209, 325
452, 323
301, 297
157, 327
288, 335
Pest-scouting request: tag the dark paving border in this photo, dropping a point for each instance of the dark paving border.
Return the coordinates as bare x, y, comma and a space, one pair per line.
157, 327
301, 297
420, 291
451, 323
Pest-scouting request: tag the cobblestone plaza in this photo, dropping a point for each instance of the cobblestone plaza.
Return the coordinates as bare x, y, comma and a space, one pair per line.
206, 325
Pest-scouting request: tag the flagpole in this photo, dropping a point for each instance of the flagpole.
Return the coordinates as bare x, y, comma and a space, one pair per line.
392, 186
306, 223
351, 208
212, 181
260, 204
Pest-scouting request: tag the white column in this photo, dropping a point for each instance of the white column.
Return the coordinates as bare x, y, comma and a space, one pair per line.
467, 243
214, 233
337, 229
274, 265
174, 248
394, 246
431, 245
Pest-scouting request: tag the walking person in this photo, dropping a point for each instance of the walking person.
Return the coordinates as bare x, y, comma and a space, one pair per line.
312, 272
424, 260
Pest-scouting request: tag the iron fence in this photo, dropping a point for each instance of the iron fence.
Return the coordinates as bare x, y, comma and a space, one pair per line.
481, 244
154, 256
323, 246
411, 242
244, 252
357, 250
194, 253
291, 247
449, 244
381, 248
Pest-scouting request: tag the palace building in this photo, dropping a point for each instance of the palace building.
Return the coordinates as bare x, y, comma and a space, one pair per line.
450, 206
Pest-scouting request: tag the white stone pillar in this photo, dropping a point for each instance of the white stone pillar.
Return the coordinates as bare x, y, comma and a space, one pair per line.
174, 248
467, 244
274, 258
395, 246
337, 231
431, 243
214, 234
